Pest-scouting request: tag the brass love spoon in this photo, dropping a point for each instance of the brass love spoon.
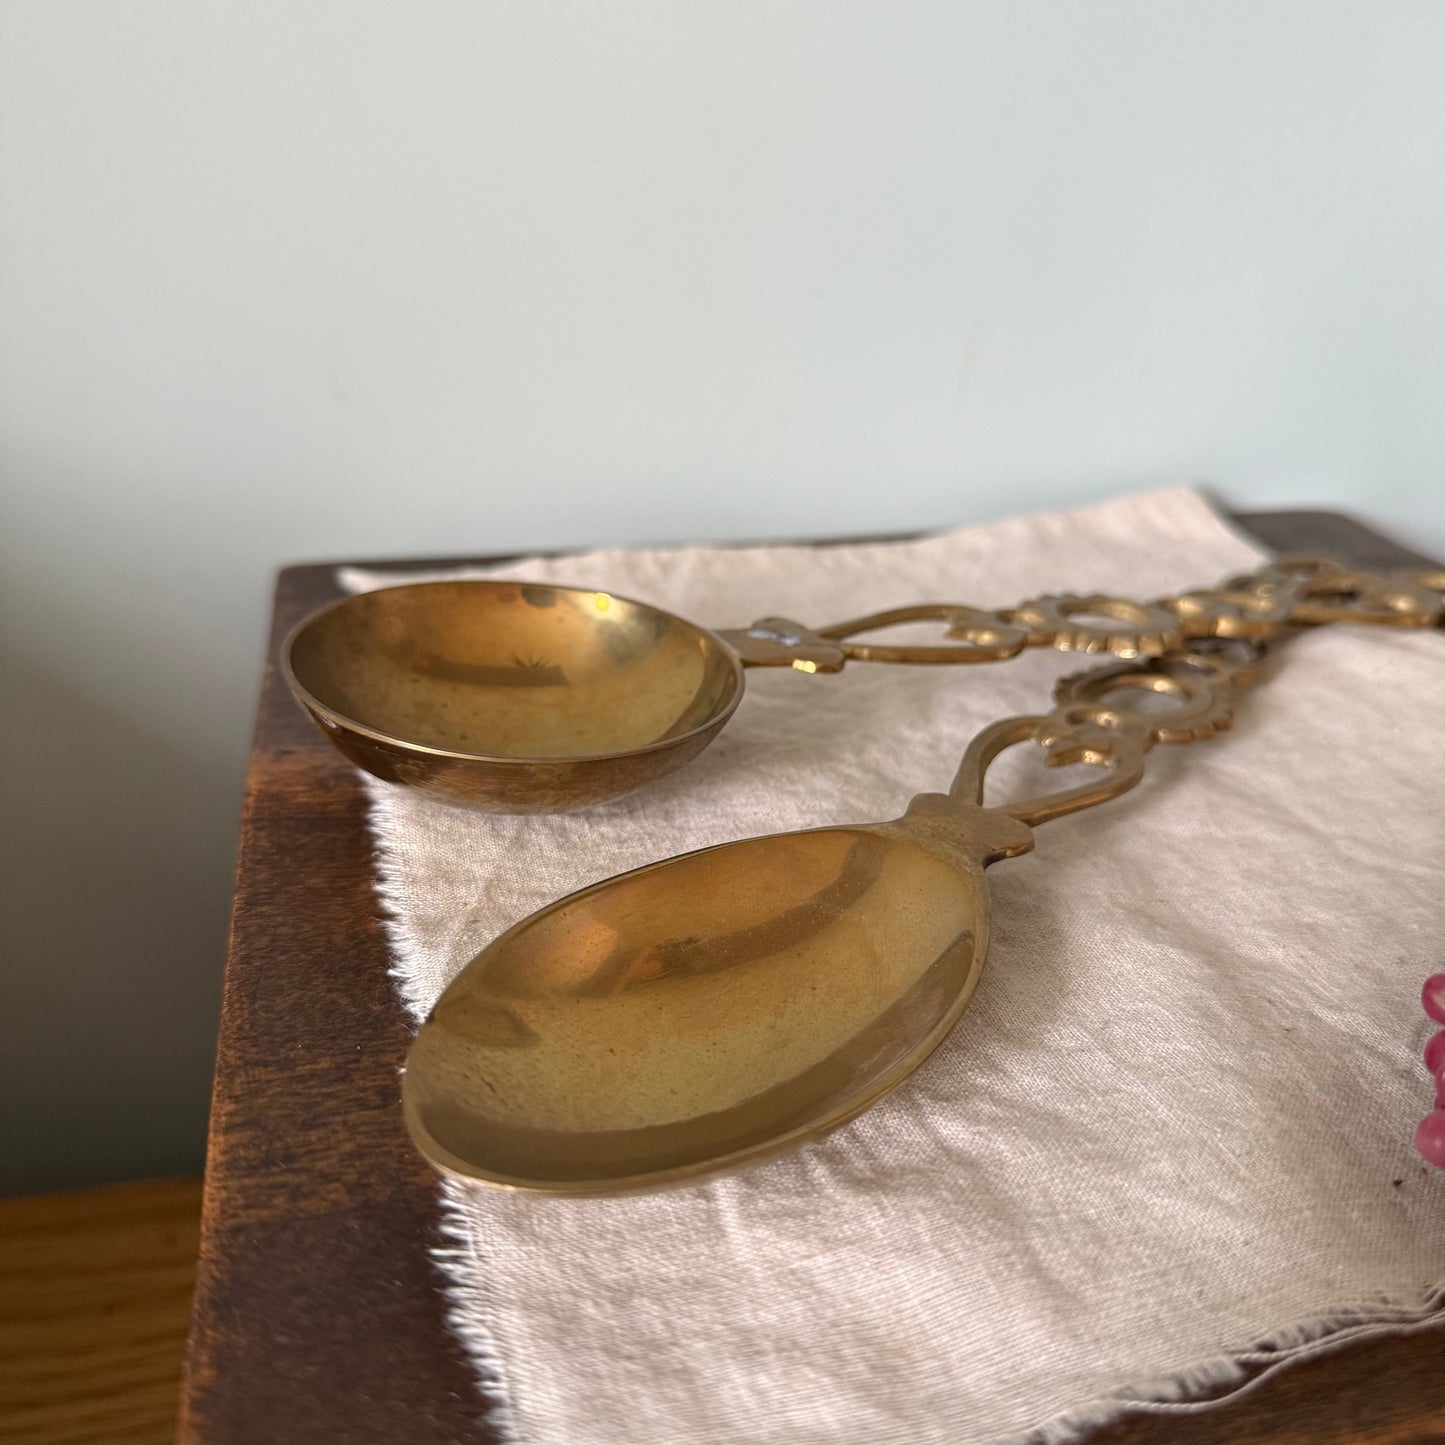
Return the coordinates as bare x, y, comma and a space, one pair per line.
709, 1010
521, 697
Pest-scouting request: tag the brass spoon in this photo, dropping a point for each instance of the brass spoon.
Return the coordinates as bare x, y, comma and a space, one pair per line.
517, 697
709, 1010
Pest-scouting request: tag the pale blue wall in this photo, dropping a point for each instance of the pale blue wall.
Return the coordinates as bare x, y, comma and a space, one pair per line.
284, 278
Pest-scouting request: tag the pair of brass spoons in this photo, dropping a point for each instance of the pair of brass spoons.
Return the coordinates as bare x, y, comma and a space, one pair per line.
709, 1010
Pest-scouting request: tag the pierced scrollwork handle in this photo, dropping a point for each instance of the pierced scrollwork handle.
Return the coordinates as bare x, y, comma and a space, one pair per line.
1284, 597
1092, 723
1118, 751
1133, 629
1295, 592
974, 636
982, 636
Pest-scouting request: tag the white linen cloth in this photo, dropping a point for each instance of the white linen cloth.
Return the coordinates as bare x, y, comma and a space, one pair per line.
1168, 1146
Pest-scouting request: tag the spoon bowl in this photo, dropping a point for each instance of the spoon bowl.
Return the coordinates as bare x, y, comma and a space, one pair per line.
708, 1010
511, 697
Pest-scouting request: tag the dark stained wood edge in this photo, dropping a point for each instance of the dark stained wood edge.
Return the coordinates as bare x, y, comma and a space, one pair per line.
1330, 534
318, 1312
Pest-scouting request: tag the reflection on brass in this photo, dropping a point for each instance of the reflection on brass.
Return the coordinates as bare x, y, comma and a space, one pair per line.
1133, 629
709, 1010
511, 697
778, 642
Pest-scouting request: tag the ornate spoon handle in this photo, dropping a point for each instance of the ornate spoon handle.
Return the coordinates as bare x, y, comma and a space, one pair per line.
1089, 724
1289, 594
1218, 648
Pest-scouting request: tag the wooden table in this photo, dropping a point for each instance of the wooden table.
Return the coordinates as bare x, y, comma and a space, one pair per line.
318, 1316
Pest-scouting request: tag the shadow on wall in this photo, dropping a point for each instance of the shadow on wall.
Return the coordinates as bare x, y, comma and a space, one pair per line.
114, 941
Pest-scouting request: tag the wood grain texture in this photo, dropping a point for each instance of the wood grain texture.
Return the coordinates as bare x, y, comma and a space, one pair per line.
95, 1300
318, 1315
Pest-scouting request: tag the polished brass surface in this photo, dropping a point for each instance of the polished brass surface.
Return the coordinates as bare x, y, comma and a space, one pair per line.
708, 1010
517, 697
511, 696
1133, 629
711, 1009
779, 642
